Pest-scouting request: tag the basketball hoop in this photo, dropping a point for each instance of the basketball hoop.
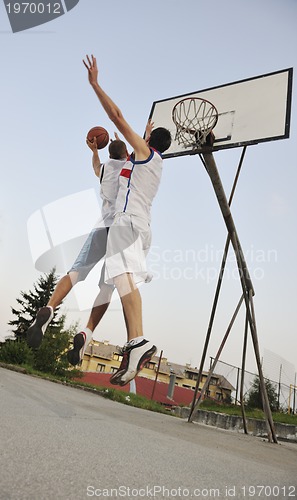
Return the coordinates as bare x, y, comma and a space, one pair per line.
194, 119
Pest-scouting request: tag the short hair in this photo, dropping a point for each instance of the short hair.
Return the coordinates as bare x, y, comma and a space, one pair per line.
117, 149
160, 139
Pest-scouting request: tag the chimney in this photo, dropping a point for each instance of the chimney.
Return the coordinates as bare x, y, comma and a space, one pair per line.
171, 386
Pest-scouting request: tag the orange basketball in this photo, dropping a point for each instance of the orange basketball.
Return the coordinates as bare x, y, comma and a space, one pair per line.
102, 136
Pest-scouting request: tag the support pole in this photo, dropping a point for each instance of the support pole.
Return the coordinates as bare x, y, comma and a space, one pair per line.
265, 400
218, 288
294, 395
213, 365
245, 279
279, 385
237, 385
157, 373
225, 209
242, 375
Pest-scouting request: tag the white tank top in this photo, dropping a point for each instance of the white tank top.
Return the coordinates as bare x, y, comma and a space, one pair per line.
138, 184
109, 188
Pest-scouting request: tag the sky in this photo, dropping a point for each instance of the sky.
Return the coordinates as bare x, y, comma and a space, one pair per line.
172, 48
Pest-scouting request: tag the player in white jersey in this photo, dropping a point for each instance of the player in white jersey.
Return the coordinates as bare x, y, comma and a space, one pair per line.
130, 235
94, 247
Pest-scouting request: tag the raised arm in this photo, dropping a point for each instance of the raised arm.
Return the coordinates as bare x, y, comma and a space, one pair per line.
95, 159
148, 130
114, 113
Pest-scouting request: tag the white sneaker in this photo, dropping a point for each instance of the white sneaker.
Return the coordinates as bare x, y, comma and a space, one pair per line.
134, 359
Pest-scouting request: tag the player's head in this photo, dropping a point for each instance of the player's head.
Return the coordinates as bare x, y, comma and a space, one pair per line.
160, 139
117, 150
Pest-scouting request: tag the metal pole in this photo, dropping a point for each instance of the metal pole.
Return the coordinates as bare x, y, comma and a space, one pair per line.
289, 403
294, 394
157, 373
279, 385
218, 288
245, 279
225, 209
237, 385
242, 376
207, 381
265, 400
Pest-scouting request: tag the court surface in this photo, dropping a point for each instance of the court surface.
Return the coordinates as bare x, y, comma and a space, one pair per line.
58, 442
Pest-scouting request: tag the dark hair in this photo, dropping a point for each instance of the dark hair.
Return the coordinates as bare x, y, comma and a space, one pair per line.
160, 139
117, 150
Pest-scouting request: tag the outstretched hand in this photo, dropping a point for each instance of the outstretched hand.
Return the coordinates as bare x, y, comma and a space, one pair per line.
91, 66
116, 137
148, 130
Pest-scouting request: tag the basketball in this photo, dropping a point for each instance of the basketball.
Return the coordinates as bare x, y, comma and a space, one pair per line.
102, 136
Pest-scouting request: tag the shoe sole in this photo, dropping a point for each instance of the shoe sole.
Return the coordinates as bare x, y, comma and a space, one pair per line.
34, 333
73, 355
116, 379
147, 356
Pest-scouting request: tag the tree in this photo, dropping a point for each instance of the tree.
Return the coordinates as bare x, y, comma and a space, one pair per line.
30, 302
255, 399
50, 357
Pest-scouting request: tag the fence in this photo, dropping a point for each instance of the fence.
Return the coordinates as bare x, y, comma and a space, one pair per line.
285, 387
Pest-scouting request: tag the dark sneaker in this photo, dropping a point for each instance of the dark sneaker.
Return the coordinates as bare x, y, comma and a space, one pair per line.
36, 331
134, 359
80, 343
115, 378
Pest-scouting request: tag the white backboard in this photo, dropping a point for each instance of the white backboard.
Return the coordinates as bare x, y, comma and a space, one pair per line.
250, 111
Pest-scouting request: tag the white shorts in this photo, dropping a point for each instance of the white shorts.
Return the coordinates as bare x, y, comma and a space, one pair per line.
128, 242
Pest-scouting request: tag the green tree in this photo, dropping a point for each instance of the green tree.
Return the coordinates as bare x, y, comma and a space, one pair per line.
255, 399
50, 357
30, 302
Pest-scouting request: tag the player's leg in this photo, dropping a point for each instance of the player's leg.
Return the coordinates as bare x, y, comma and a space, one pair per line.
132, 305
137, 351
82, 339
125, 262
63, 287
92, 251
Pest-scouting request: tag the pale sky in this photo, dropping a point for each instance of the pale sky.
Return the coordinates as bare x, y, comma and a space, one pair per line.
47, 106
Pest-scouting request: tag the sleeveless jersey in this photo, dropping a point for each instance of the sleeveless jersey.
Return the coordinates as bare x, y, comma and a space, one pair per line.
109, 188
138, 184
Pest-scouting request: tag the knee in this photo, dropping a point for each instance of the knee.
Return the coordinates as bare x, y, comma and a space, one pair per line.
73, 276
105, 293
124, 284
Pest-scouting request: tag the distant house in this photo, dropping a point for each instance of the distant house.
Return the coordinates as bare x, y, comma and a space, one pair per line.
103, 359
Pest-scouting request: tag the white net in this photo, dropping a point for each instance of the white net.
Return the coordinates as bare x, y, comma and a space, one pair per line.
194, 119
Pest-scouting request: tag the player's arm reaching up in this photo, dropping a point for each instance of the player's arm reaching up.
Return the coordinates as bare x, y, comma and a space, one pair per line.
148, 130
95, 160
139, 145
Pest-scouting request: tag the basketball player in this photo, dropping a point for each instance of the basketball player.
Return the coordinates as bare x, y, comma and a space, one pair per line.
91, 253
129, 236
94, 247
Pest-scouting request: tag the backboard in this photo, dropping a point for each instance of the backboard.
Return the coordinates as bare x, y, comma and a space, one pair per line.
249, 111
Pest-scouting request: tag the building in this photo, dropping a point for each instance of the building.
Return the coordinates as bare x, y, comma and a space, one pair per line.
105, 358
